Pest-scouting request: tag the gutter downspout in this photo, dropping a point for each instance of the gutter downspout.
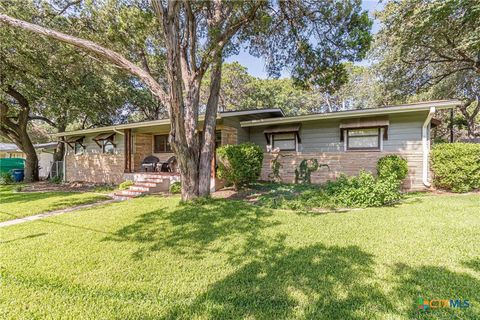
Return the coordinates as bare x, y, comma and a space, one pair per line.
426, 147
119, 132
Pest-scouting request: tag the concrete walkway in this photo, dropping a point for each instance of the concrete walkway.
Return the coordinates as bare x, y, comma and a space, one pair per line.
52, 213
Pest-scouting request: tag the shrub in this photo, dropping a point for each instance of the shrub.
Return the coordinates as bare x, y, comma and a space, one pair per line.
18, 188
125, 184
456, 166
240, 164
392, 166
6, 178
363, 190
175, 187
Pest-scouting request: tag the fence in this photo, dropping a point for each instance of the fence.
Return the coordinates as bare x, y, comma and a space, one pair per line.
57, 169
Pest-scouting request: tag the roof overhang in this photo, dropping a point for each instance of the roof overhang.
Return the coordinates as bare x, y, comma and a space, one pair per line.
404, 108
145, 124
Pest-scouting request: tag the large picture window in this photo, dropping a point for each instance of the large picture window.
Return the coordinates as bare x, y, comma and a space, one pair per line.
363, 139
161, 144
284, 141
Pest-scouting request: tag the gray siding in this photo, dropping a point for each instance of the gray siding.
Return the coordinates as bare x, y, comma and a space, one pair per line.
404, 134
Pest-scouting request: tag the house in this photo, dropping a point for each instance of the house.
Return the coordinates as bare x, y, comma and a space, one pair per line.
44, 152
347, 141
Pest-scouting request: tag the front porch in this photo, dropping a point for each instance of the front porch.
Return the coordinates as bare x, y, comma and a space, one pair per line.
142, 143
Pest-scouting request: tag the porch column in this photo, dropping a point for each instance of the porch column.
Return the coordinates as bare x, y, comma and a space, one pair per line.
128, 150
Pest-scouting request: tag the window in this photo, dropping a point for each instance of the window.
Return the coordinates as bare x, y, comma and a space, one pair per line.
78, 148
108, 146
284, 141
363, 139
161, 144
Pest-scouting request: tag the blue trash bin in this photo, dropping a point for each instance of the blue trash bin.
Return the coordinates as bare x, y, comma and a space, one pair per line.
18, 175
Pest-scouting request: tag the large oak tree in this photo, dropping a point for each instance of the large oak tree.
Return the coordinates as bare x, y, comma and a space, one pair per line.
312, 38
432, 48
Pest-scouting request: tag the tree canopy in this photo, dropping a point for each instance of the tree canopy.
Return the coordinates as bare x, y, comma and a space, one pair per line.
431, 49
187, 38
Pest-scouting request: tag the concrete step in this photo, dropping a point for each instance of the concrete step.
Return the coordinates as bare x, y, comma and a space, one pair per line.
140, 188
152, 180
146, 184
127, 193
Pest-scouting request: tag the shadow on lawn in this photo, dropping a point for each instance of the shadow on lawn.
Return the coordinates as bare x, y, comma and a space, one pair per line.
22, 197
313, 282
25, 238
193, 228
432, 282
473, 264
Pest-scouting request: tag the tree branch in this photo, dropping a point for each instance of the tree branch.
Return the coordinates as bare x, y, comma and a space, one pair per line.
109, 55
44, 119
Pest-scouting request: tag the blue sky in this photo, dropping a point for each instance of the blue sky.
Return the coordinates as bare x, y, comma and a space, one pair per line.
256, 66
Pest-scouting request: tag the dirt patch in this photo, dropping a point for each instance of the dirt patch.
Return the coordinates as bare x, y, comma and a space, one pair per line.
45, 186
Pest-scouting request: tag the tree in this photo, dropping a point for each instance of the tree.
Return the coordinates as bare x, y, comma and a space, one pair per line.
311, 37
432, 48
47, 81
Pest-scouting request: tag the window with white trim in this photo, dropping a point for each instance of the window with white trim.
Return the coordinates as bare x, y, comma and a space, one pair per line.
363, 139
284, 141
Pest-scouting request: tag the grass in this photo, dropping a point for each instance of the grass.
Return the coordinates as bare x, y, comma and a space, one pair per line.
153, 258
21, 204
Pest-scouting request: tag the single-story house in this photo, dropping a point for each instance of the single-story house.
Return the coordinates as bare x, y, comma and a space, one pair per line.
45, 153
347, 141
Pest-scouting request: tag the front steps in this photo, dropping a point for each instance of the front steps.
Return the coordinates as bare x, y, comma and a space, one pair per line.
146, 183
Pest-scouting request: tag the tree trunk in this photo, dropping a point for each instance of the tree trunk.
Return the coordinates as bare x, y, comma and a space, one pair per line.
17, 131
210, 122
31, 161
470, 117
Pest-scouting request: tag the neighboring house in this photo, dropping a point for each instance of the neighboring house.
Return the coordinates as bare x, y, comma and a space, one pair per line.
347, 141
44, 152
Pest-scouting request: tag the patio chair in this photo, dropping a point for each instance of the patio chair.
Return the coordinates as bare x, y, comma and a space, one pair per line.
151, 163
169, 165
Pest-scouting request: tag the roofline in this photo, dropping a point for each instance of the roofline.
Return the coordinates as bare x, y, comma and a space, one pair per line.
45, 145
412, 107
152, 123
247, 112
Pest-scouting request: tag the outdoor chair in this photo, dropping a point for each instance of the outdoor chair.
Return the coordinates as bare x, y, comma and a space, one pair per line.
169, 165
151, 163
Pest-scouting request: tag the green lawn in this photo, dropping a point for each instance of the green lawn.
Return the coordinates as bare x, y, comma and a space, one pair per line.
21, 204
151, 258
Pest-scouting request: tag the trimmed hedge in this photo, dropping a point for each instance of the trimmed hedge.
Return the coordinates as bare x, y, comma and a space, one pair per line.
240, 164
456, 166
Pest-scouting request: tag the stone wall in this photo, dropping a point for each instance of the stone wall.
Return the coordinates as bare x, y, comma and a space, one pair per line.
95, 168
349, 163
